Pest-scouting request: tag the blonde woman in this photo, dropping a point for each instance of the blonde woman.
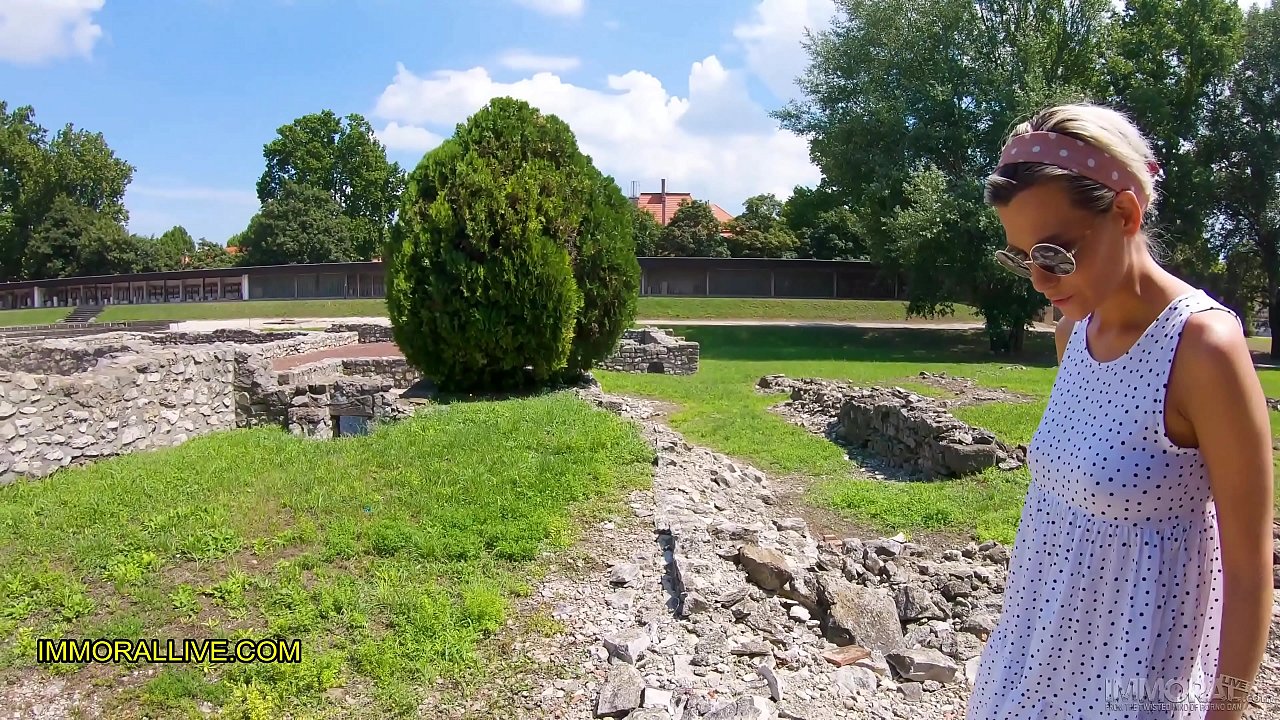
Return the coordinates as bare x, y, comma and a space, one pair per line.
1140, 582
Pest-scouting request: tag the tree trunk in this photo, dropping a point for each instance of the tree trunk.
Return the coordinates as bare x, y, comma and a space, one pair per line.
1273, 312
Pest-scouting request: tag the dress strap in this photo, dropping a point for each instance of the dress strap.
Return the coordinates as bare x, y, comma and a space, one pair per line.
1165, 336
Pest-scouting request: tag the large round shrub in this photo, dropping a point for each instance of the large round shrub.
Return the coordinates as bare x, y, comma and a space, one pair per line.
511, 261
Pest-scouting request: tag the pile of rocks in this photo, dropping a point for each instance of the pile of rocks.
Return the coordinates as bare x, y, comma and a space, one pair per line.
910, 433
731, 609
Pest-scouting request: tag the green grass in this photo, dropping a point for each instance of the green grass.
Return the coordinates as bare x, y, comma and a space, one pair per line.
32, 316
391, 556
720, 407
668, 308
232, 310
649, 308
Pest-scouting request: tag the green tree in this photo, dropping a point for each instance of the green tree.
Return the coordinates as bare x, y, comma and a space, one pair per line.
826, 229
72, 240
171, 247
646, 230
760, 230
345, 161
1244, 144
693, 231
210, 255
301, 225
905, 103
36, 170
1168, 60
512, 260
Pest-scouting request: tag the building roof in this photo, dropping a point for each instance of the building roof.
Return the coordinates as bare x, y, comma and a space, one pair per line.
652, 202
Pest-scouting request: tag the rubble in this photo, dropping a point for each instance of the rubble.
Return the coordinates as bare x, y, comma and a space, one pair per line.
893, 431
733, 609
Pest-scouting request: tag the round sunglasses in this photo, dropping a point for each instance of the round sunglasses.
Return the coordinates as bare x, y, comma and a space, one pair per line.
1049, 258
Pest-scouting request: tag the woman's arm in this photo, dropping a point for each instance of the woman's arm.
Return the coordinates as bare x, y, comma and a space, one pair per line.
1228, 410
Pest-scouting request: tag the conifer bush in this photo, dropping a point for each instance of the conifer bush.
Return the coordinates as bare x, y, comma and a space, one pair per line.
511, 263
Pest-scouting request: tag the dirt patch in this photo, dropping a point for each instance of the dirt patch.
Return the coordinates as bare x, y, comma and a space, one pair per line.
966, 391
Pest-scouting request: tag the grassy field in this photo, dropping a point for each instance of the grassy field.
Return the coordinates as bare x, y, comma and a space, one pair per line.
720, 407
389, 555
648, 308
668, 308
32, 316
246, 309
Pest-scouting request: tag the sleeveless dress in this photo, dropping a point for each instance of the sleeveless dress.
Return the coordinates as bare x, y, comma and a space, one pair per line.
1115, 580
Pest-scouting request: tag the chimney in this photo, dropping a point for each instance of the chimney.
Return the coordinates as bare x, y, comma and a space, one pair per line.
664, 201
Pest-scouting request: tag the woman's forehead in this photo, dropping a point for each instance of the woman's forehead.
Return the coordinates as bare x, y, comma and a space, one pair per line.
1040, 214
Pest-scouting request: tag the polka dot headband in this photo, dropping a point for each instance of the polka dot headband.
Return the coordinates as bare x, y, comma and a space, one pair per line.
1079, 157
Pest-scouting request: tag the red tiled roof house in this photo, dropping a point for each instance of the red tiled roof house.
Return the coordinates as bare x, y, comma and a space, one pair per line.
663, 205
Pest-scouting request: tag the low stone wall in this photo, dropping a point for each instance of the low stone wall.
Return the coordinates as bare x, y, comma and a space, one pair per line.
68, 401
908, 431
396, 369
368, 332
299, 343
311, 372
653, 350
223, 335
129, 402
310, 409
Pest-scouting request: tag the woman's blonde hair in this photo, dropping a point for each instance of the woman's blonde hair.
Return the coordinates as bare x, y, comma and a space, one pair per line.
1103, 127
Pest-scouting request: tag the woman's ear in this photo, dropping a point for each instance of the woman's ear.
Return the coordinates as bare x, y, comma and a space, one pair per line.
1128, 212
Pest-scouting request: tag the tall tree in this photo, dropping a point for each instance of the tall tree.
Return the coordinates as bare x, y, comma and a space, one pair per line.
1168, 57
906, 105
345, 161
760, 230
35, 171
1244, 128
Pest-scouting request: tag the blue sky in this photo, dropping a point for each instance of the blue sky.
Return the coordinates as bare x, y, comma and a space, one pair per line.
188, 91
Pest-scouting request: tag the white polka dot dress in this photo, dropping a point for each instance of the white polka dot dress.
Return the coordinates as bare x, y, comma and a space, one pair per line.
1115, 572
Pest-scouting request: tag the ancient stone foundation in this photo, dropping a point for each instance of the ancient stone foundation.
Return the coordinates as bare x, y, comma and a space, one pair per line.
653, 350
103, 397
69, 401
909, 432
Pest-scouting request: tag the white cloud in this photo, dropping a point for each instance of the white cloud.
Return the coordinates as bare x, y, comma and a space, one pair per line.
717, 143
521, 60
571, 8
407, 137
33, 31
774, 37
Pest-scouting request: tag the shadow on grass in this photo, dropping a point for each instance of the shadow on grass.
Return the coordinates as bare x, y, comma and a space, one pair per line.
764, 343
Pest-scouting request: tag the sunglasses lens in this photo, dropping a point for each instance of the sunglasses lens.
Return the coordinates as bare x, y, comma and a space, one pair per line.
1053, 259
1012, 264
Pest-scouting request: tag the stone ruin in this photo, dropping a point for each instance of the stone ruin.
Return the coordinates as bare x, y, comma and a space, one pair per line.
70, 401
653, 350
908, 432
